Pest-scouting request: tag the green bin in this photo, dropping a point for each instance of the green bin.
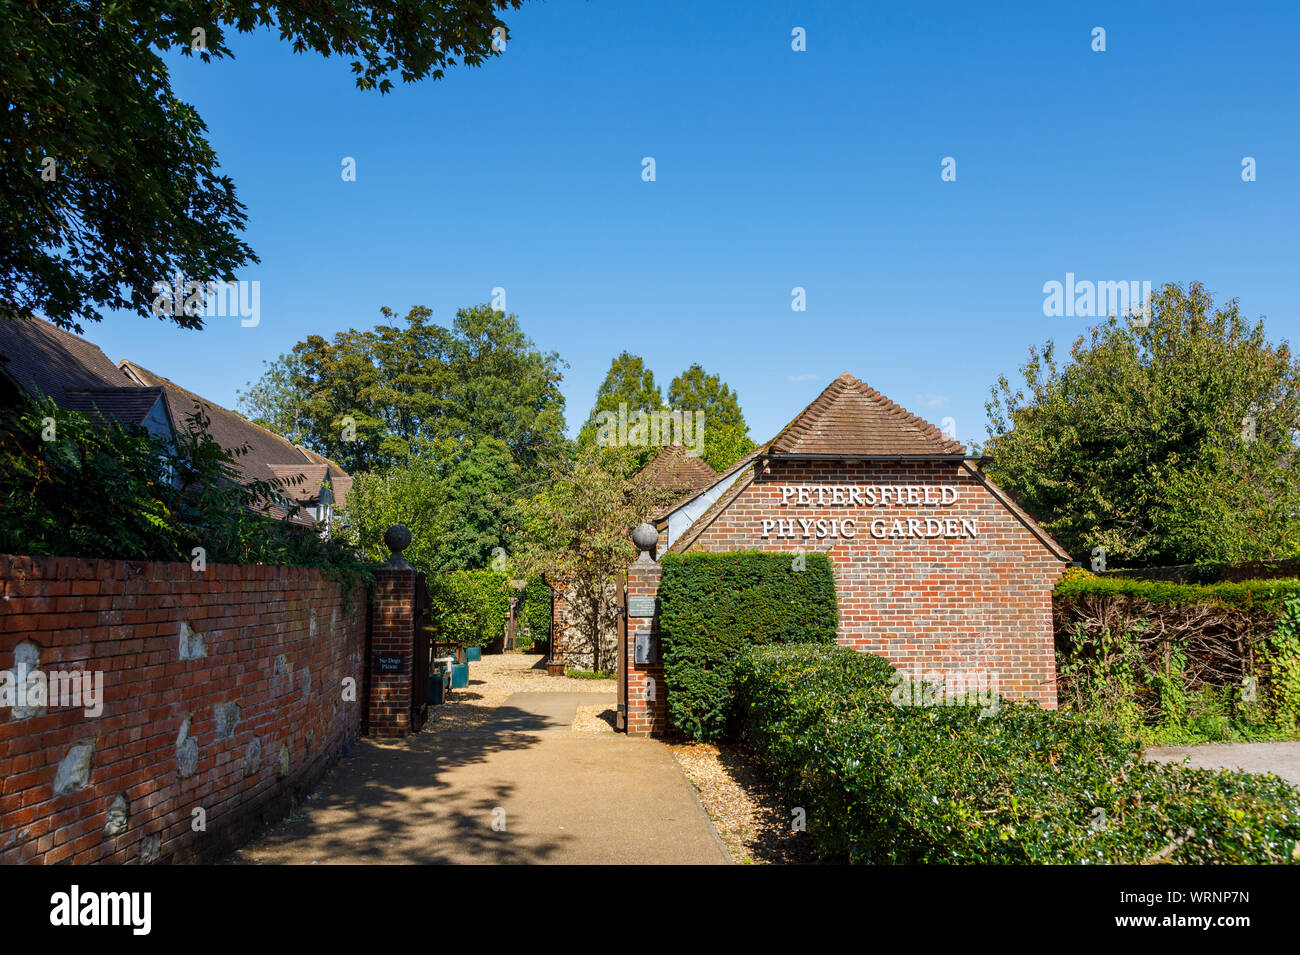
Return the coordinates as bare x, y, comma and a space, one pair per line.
459, 675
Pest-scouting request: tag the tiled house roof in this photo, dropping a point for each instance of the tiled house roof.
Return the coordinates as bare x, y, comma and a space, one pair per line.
43, 359
39, 358
126, 403
852, 419
679, 473
676, 469
269, 456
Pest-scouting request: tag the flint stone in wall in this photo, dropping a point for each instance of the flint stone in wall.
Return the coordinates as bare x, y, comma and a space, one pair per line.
115, 822
191, 643
150, 848
281, 670
253, 757
74, 771
28, 653
226, 716
187, 751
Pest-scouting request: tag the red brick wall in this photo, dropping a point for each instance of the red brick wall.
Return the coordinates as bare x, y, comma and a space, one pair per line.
972, 605
278, 642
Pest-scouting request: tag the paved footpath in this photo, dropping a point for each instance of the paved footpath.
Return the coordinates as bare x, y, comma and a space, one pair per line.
1281, 759
567, 798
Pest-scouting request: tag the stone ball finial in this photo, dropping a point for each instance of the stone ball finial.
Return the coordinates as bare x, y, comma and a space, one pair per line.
645, 537
397, 538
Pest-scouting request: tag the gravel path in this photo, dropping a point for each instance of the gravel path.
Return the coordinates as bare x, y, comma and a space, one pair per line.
746, 808
494, 679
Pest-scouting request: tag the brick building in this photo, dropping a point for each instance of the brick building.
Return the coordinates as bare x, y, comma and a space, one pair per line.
936, 568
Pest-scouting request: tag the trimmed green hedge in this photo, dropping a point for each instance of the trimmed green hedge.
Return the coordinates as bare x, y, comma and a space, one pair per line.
1265, 595
714, 606
468, 607
883, 783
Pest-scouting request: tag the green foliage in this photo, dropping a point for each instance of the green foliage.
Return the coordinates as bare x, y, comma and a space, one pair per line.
1261, 595
715, 606
1170, 663
725, 435
628, 382
417, 391
536, 614
468, 608
1284, 660
1164, 444
884, 783
460, 510
117, 492
578, 535
138, 194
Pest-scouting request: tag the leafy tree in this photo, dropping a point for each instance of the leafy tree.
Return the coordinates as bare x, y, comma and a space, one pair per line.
459, 504
578, 536
726, 435
1170, 443
107, 181
629, 383
371, 399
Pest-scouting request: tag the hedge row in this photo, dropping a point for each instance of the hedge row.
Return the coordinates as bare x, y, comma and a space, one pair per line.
884, 783
1180, 662
1265, 596
714, 606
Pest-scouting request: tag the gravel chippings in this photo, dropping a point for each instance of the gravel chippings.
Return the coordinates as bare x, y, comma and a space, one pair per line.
747, 809
493, 680
598, 718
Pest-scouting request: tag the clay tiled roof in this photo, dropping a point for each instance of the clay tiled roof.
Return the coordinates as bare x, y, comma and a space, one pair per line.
852, 419
675, 469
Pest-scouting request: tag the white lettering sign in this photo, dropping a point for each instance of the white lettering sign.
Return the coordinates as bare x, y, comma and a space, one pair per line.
881, 495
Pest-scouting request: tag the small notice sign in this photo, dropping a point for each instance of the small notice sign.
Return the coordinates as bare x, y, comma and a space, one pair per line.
390, 663
640, 606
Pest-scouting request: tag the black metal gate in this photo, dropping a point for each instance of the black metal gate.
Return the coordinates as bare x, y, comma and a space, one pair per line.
421, 656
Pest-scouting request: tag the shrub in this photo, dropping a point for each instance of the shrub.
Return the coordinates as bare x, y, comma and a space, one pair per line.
884, 783
713, 606
536, 615
468, 608
115, 491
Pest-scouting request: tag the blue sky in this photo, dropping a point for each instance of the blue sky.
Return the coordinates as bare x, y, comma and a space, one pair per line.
775, 169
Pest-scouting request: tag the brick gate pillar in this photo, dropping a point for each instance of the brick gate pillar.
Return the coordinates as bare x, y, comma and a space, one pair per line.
647, 714
392, 640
